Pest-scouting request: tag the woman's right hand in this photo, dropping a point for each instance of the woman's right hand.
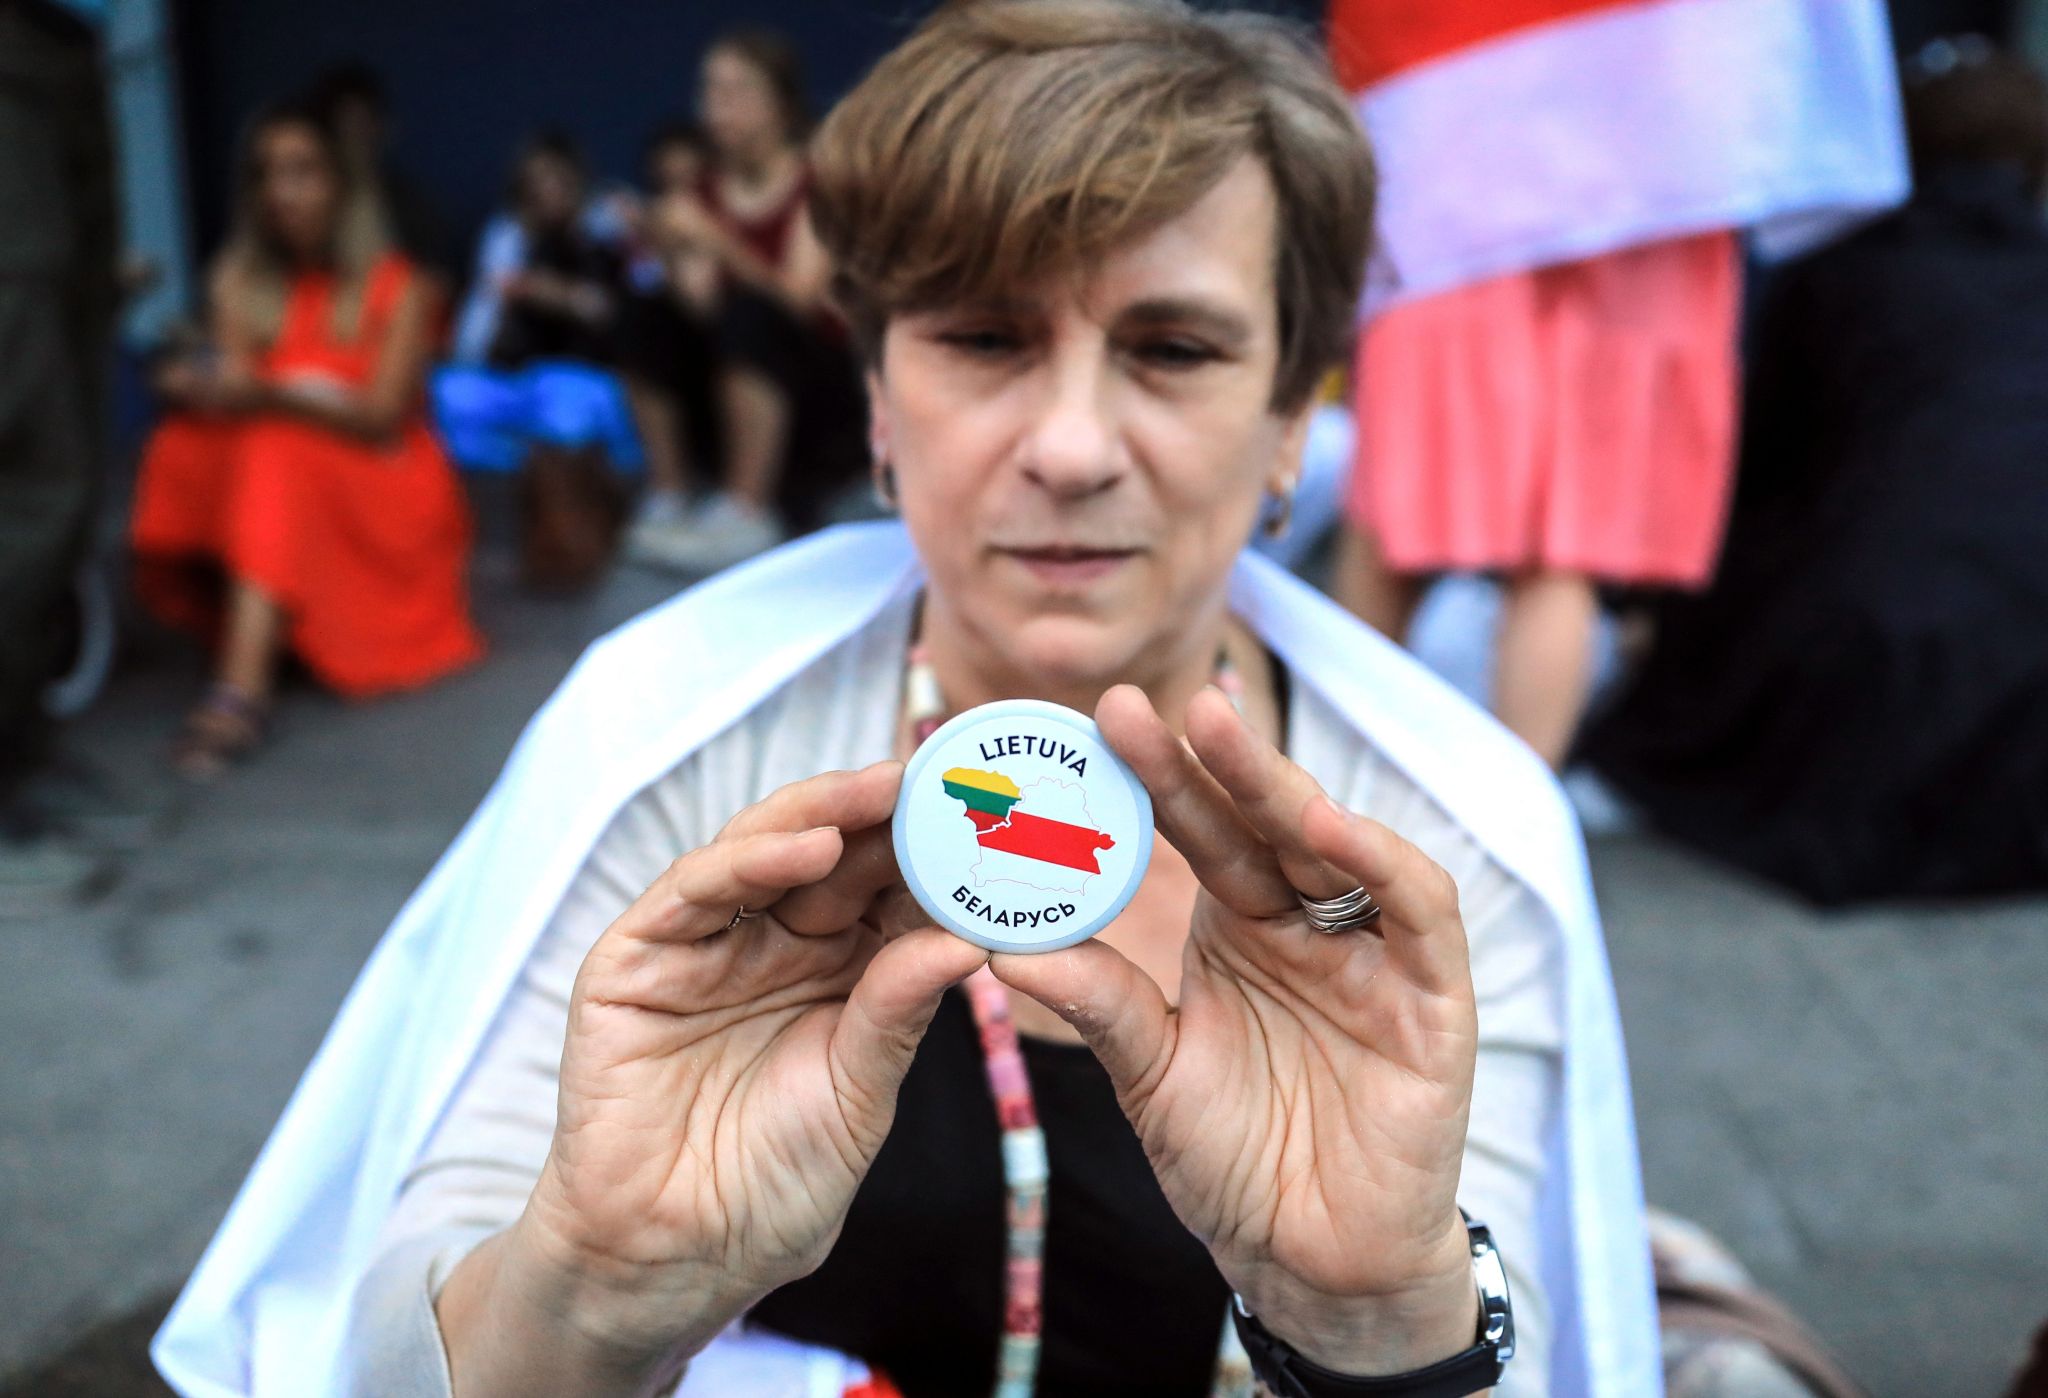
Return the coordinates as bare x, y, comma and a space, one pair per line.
724, 1087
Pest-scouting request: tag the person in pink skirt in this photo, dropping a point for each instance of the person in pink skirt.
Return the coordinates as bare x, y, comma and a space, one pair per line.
1547, 379
1559, 428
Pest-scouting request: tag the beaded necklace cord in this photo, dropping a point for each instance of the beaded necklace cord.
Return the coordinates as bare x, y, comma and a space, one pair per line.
1026, 1172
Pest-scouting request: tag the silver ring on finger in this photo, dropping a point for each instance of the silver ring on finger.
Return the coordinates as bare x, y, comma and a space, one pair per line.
1347, 912
741, 916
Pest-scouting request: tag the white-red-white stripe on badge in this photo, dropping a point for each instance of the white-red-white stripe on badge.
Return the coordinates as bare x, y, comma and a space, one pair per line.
1521, 133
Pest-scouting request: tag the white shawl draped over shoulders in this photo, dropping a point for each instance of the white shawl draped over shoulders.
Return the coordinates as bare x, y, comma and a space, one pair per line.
266, 1311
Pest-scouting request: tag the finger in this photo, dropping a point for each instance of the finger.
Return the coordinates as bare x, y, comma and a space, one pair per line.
866, 866
848, 800
895, 912
1119, 1011
886, 1014
1268, 789
1420, 923
696, 896
1191, 810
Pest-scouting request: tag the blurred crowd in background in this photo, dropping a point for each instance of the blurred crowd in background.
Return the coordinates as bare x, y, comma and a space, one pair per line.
1761, 547
1765, 520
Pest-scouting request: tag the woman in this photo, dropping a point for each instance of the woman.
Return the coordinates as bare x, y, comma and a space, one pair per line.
786, 388
534, 390
667, 346
297, 459
1546, 388
641, 1098
1563, 427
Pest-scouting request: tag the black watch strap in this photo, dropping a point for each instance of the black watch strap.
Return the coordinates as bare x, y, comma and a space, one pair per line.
1278, 1366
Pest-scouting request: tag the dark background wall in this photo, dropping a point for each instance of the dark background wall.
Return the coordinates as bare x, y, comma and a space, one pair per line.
1917, 21
467, 77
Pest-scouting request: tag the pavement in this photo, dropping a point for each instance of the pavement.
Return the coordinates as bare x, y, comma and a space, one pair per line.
1855, 1102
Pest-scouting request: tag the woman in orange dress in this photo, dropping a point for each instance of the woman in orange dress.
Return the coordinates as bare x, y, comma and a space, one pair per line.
295, 499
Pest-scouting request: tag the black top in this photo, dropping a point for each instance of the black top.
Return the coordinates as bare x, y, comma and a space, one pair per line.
527, 332
1134, 1307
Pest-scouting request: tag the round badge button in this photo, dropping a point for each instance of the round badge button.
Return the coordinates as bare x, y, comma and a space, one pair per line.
1018, 829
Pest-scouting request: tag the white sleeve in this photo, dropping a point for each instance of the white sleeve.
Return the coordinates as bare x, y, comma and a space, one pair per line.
474, 1176
1517, 1089
479, 1166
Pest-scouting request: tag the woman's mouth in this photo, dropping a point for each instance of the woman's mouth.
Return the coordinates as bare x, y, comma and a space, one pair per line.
1061, 565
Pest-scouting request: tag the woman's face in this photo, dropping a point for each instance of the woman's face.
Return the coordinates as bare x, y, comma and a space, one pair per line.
550, 190
298, 188
677, 168
1080, 466
740, 112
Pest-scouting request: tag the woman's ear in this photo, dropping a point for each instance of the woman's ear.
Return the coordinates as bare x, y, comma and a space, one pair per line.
878, 419
1286, 469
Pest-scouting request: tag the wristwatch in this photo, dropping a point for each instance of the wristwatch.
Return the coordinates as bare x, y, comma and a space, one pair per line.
1276, 1364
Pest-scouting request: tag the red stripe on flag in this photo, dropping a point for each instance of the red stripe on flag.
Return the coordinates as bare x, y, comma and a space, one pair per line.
1035, 837
1371, 40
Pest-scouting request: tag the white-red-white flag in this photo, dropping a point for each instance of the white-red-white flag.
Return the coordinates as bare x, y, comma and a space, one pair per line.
1521, 133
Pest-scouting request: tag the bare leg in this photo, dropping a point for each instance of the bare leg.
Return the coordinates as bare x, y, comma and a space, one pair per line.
1544, 667
757, 426
228, 724
661, 435
255, 630
1383, 599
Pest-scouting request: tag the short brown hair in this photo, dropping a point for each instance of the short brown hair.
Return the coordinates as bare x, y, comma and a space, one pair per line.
1009, 139
775, 59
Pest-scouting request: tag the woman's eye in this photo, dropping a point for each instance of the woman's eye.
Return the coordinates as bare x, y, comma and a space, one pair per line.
982, 344
1176, 353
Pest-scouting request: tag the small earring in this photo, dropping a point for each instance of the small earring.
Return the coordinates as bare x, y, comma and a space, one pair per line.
885, 486
1280, 513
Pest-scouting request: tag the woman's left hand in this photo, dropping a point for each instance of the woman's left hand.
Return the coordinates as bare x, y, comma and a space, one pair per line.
1304, 1106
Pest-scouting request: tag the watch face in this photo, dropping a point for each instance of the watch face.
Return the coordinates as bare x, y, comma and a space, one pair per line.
1018, 829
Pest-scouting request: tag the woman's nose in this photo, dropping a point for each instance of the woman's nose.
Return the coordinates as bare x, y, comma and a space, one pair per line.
1074, 447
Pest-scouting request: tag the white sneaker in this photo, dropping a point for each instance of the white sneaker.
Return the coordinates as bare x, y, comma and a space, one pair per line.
723, 531
660, 507
658, 526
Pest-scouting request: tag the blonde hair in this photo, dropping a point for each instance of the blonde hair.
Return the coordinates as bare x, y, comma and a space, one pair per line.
257, 269
1008, 139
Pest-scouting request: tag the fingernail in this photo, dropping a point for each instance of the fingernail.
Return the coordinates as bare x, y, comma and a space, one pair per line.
816, 828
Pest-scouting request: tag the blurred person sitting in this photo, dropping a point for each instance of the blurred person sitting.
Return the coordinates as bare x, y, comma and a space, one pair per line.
295, 499
1859, 706
534, 388
582, 1124
668, 345
778, 345
352, 98
674, 163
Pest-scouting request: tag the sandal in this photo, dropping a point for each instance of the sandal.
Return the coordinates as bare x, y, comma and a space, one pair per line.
226, 726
